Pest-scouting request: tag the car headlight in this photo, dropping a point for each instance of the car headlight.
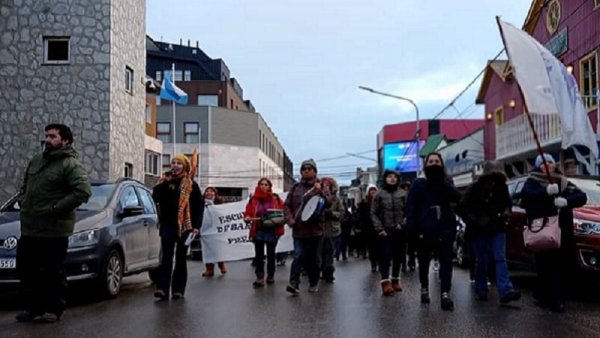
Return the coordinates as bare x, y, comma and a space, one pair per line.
84, 238
586, 227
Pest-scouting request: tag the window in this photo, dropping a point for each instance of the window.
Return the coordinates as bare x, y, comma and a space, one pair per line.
178, 74
499, 116
588, 68
158, 101
187, 75
146, 201
208, 100
158, 76
163, 131
128, 80
128, 170
128, 197
148, 114
166, 161
191, 132
151, 165
56, 50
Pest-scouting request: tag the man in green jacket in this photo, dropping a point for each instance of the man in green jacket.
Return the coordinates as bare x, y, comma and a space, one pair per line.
54, 185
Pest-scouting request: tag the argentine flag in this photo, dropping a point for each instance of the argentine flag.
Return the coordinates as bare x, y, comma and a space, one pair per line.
171, 92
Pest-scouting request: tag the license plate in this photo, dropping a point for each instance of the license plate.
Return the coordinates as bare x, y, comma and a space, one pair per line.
8, 263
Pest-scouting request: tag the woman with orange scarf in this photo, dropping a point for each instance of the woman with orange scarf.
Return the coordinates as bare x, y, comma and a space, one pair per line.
263, 202
180, 210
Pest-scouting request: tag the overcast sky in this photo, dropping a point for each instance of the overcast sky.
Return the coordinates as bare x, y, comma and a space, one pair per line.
300, 62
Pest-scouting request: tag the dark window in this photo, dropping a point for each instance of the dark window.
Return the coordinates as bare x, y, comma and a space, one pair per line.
128, 172
434, 127
128, 80
56, 50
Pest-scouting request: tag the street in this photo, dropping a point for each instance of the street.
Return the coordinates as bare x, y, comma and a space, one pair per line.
227, 306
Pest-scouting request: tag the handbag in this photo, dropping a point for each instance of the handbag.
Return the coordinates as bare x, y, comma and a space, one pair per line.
542, 234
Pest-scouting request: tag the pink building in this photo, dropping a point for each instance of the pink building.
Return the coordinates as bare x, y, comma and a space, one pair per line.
571, 31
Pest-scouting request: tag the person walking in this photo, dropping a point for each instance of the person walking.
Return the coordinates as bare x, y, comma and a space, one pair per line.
431, 218
544, 196
483, 209
387, 214
332, 229
262, 205
54, 185
180, 210
307, 234
211, 197
371, 236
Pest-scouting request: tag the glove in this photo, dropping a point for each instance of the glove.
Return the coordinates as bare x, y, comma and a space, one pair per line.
560, 202
552, 189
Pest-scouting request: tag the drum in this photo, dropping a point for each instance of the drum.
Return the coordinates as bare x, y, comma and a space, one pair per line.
313, 209
273, 218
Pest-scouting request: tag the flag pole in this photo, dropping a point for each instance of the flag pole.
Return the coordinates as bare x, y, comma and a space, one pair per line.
525, 110
173, 110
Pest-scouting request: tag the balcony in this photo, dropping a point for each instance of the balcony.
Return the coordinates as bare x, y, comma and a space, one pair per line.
515, 137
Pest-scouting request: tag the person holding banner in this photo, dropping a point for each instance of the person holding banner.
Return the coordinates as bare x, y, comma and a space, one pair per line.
304, 211
180, 210
264, 212
547, 193
211, 196
332, 230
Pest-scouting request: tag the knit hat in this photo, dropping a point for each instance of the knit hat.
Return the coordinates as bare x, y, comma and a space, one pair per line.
539, 161
371, 186
183, 159
310, 162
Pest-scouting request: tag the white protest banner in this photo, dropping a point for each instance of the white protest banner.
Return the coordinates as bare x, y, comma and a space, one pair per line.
224, 235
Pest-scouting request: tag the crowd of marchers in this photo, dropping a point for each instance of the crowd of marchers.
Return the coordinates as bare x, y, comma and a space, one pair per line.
398, 226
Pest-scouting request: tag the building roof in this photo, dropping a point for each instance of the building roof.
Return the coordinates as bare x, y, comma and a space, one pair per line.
432, 143
533, 15
497, 67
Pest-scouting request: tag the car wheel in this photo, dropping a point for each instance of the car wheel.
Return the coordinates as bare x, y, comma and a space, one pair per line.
112, 274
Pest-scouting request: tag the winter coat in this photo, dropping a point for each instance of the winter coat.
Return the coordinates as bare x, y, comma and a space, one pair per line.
484, 205
333, 218
55, 184
166, 197
257, 207
387, 209
294, 202
538, 203
429, 210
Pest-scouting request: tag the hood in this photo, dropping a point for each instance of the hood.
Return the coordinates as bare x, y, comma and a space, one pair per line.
371, 186
384, 184
60, 153
334, 187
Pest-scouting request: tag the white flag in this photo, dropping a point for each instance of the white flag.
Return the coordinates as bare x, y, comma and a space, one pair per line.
547, 86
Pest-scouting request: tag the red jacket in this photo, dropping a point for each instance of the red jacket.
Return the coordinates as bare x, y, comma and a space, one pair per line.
261, 201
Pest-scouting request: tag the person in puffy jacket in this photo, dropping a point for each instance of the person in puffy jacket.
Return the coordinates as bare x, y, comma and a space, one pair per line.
483, 209
544, 197
263, 202
431, 220
387, 214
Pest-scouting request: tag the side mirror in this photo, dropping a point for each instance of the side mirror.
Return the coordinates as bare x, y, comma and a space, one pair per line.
132, 210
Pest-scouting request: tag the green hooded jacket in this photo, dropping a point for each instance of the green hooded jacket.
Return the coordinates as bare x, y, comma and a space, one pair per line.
55, 184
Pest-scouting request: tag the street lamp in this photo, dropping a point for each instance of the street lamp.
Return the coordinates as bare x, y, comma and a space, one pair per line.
417, 131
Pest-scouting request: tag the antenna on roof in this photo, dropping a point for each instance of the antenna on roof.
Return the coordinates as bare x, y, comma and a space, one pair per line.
180, 41
197, 46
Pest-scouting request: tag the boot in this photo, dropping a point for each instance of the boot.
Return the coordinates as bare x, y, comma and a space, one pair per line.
386, 288
447, 303
222, 267
209, 270
396, 284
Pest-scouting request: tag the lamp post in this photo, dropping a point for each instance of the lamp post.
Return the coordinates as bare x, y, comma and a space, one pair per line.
417, 131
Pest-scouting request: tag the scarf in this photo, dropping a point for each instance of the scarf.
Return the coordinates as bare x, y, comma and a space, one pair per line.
184, 219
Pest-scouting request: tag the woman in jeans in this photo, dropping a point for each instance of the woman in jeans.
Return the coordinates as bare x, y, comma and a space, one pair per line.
259, 205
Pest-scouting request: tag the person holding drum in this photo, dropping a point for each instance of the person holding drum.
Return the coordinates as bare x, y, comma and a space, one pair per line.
264, 212
332, 230
304, 212
387, 214
430, 218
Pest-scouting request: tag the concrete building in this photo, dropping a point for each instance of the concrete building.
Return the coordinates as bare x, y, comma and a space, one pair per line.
77, 62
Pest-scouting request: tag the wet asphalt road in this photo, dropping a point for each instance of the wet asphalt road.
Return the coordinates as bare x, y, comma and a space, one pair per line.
227, 306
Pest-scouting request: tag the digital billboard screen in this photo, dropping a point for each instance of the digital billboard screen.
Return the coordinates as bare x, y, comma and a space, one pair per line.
401, 156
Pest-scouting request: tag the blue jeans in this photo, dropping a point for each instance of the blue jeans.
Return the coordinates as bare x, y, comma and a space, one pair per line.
307, 254
496, 244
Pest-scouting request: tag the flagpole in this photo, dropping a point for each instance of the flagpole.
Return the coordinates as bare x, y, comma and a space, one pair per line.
173, 110
525, 110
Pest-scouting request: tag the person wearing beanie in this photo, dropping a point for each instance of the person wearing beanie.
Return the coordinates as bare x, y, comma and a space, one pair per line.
308, 235
483, 209
211, 196
548, 193
368, 239
332, 229
387, 214
430, 218
180, 209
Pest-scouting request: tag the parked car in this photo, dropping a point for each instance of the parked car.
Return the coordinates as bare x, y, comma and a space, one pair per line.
586, 225
115, 235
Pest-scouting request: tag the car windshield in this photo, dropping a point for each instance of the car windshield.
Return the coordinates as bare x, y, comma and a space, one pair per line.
590, 187
100, 196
